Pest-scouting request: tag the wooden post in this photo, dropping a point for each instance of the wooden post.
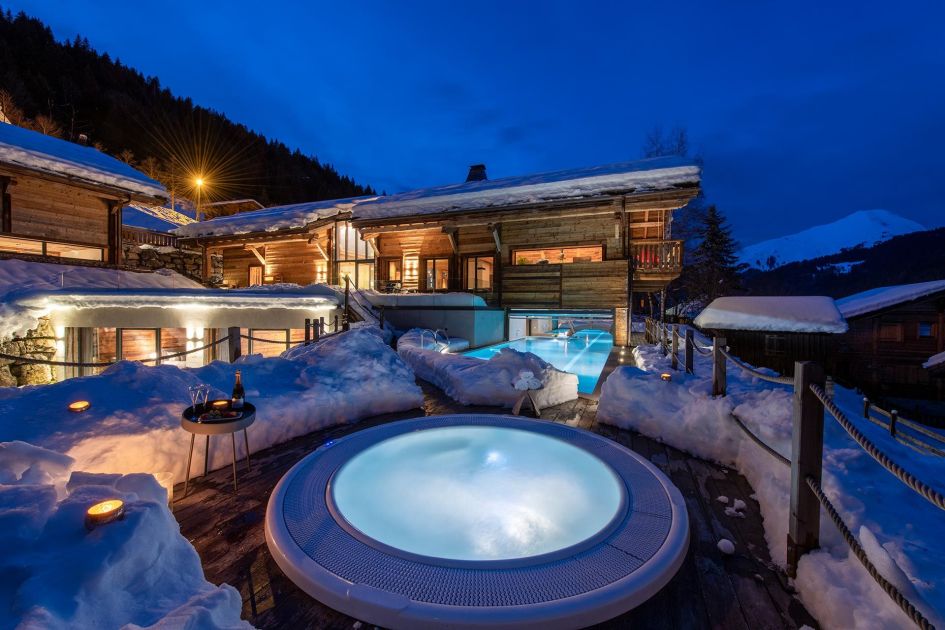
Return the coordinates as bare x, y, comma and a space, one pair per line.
718, 367
866, 407
690, 350
807, 454
233, 343
345, 316
336, 324
308, 331
893, 419
675, 347
380, 319
317, 328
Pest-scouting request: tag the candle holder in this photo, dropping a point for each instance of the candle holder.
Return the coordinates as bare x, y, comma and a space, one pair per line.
104, 512
79, 406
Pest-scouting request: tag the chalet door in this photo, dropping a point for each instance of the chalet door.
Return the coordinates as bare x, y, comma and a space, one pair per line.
255, 275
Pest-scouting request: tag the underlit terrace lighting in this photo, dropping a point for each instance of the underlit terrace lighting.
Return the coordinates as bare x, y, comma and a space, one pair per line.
79, 406
104, 512
666, 376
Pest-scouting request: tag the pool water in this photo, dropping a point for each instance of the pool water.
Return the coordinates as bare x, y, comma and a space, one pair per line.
477, 493
583, 354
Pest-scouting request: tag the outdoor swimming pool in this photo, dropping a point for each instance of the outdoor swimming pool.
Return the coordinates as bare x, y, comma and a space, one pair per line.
583, 354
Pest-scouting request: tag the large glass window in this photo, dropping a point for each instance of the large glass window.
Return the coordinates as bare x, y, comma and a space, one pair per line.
393, 270
321, 271
255, 275
50, 248
138, 344
478, 275
559, 255
437, 274
349, 245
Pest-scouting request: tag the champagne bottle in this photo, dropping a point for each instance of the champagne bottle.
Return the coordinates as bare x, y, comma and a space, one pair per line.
238, 394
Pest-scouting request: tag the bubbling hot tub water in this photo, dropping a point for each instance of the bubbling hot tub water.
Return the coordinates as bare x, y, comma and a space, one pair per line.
476, 493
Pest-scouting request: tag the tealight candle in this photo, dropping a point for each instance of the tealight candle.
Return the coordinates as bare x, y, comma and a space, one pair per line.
220, 404
104, 512
79, 406
666, 376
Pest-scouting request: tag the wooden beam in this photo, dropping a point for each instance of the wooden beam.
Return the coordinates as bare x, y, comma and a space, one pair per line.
494, 228
451, 235
320, 250
255, 250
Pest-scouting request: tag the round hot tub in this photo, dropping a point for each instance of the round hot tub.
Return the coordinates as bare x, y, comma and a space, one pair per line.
471, 521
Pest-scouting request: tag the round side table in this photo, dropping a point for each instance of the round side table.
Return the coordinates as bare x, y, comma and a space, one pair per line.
190, 423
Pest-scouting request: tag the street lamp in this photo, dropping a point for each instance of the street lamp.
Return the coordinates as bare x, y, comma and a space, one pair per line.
199, 182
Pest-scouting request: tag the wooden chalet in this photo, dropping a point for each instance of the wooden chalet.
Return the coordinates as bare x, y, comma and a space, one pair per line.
893, 332
61, 201
577, 240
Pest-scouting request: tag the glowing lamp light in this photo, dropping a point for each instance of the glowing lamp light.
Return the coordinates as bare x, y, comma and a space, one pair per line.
220, 404
666, 376
79, 406
104, 512
199, 181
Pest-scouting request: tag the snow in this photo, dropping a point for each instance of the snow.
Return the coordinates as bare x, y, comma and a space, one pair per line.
406, 300
831, 582
883, 297
726, 546
934, 360
152, 217
138, 570
272, 219
37, 152
20, 278
804, 314
640, 176
133, 424
472, 381
866, 228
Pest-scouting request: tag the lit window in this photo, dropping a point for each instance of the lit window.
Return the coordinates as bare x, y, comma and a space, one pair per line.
321, 271
559, 255
437, 274
479, 273
393, 270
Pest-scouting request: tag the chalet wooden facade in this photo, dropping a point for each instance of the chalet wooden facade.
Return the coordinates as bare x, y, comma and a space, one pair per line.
63, 201
571, 240
893, 332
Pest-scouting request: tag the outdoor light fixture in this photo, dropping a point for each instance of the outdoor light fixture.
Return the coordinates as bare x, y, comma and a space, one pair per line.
79, 406
666, 376
104, 512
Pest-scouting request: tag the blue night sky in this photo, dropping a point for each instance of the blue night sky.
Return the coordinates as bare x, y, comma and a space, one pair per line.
802, 113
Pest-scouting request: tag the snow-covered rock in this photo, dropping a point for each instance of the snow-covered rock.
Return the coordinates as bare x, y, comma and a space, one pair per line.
866, 227
135, 572
472, 381
133, 424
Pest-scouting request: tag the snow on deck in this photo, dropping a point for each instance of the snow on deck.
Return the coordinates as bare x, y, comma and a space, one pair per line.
883, 297
37, 152
935, 360
653, 174
296, 215
802, 314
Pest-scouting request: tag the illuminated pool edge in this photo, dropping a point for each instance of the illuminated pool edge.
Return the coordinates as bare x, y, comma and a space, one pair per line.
392, 609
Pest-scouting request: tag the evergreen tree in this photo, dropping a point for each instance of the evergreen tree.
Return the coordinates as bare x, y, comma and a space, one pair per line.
713, 269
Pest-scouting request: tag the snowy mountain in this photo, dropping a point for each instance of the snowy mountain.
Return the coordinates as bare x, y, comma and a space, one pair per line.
866, 228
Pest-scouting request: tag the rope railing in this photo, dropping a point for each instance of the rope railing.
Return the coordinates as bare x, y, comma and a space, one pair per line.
276, 341
930, 494
32, 361
781, 380
894, 593
757, 440
900, 420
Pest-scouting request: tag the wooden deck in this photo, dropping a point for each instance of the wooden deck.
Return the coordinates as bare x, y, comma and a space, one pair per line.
711, 590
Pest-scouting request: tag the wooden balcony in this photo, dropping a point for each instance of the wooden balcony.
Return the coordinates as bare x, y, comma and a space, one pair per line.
655, 262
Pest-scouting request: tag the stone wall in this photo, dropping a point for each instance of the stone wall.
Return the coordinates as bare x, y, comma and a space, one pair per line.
38, 343
187, 262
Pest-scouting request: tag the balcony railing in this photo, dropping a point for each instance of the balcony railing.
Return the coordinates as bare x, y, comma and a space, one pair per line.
654, 255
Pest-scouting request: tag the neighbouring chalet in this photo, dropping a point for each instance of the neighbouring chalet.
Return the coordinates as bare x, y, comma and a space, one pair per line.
579, 240
63, 201
893, 332
776, 331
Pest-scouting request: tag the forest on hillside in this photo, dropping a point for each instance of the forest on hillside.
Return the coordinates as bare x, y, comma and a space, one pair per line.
69, 90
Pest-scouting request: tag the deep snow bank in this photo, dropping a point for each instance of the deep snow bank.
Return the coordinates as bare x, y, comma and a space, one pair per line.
472, 381
133, 424
899, 529
139, 570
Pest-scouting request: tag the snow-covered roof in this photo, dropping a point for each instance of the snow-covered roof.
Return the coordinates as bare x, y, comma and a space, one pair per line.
45, 154
153, 217
883, 297
654, 174
297, 215
181, 298
936, 360
802, 314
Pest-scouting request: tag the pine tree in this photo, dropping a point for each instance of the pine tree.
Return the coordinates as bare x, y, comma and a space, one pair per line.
713, 269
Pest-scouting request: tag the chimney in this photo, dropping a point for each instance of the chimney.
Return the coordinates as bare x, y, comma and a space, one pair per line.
477, 173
